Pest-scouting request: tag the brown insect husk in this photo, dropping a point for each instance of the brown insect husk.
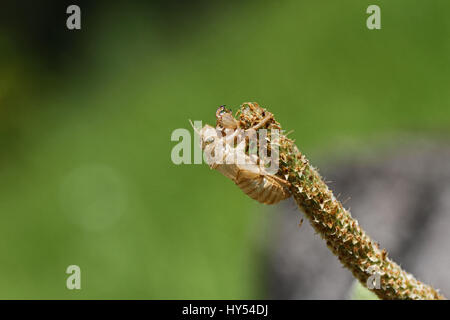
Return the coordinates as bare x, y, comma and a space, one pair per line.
226, 149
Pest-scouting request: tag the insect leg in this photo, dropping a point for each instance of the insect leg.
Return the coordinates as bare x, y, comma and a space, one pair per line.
283, 182
263, 121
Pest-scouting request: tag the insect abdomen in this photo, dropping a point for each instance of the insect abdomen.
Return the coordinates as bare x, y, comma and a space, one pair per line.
264, 189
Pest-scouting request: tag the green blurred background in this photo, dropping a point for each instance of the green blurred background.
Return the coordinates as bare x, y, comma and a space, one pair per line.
86, 118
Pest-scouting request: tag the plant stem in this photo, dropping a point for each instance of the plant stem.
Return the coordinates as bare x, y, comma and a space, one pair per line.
342, 233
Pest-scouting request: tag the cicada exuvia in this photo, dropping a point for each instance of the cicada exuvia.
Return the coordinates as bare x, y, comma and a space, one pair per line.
226, 148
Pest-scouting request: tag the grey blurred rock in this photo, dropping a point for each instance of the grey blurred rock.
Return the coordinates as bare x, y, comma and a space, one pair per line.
401, 197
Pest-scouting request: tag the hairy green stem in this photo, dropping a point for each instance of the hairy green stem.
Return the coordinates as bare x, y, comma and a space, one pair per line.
342, 233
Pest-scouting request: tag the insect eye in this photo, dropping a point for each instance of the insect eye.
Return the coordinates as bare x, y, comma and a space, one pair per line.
209, 140
222, 110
